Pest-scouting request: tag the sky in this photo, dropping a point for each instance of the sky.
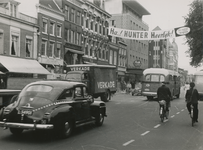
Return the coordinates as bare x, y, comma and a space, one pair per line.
168, 14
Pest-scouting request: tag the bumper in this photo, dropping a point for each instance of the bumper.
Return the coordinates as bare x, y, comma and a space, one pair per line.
25, 125
154, 94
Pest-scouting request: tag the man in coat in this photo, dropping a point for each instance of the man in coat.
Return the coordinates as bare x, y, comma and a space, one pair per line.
192, 97
164, 93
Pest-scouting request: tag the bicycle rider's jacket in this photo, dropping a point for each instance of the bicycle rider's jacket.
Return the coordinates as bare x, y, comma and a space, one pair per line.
192, 96
164, 93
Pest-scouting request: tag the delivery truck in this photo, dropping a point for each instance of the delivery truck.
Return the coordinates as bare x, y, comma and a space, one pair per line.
101, 80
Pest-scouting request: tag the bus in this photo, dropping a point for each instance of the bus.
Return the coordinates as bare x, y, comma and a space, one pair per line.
198, 80
152, 79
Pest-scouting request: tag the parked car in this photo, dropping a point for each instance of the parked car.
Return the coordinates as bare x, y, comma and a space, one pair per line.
56, 105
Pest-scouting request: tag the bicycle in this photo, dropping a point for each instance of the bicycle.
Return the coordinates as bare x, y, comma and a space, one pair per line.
162, 110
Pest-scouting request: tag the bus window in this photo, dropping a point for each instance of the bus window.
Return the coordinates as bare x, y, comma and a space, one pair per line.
162, 78
155, 78
147, 78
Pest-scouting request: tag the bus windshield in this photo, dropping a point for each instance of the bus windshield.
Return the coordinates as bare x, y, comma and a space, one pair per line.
155, 78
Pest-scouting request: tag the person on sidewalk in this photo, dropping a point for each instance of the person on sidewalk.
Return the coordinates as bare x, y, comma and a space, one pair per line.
192, 97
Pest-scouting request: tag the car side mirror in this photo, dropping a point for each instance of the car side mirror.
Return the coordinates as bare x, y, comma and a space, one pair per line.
90, 99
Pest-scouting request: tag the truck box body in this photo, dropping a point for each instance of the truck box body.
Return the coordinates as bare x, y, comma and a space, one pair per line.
99, 78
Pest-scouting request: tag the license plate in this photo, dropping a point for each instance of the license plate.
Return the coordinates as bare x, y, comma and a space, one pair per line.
26, 112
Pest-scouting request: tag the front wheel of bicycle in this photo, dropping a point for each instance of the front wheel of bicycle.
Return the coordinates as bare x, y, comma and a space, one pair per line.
161, 114
192, 119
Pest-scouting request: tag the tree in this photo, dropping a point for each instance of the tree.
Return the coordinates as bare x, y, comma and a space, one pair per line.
194, 39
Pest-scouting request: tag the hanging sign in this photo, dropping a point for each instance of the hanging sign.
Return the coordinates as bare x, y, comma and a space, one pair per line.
145, 35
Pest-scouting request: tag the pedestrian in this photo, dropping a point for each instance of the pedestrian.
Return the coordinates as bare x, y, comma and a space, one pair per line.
164, 93
192, 97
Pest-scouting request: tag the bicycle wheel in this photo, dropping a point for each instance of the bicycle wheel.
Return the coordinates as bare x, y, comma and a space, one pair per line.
192, 119
161, 113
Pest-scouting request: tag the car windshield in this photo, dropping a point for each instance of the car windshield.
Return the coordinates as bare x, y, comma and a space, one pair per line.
74, 77
43, 91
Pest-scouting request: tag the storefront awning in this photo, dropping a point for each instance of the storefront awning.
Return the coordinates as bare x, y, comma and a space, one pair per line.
19, 65
74, 51
1, 72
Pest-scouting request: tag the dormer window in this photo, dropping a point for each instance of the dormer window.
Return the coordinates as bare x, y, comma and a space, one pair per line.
13, 10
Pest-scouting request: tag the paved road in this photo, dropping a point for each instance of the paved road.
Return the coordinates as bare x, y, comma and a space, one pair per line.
132, 123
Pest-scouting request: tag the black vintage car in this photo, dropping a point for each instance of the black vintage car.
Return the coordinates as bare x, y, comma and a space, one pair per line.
56, 105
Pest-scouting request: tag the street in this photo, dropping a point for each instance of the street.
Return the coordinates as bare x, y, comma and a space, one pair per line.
132, 123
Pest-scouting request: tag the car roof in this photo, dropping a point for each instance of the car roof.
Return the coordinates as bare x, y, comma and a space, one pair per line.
60, 83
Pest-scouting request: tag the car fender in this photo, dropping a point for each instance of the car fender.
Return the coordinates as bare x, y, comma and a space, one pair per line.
98, 107
61, 112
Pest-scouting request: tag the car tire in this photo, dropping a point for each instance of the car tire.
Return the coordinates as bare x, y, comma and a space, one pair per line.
65, 129
106, 96
16, 131
99, 119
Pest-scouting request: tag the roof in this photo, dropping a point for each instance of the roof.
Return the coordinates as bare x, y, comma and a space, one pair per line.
160, 71
58, 83
50, 4
20, 65
134, 5
91, 65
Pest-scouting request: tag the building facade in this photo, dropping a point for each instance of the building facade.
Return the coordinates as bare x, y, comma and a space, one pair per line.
95, 33
50, 37
73, 13
128, 15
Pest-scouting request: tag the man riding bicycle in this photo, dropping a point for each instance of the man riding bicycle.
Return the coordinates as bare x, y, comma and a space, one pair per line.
192, 97
164, 93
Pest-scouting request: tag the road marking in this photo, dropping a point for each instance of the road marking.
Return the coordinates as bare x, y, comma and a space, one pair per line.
166, 120
127, 143
157, 126
177, 113
182, 110
172, 116
145, 133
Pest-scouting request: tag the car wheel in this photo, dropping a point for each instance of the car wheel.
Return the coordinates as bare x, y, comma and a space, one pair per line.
16, 131
65, 129
99, 119
106, 96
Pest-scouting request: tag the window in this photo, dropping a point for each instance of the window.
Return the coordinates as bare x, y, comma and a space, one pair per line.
43, 47
44, 26
72, 15
115, 58
58, 30
28, 47
162, 78
111, 57
78, 92
155, 78
51, 49
14, 45
57, 52
66, 12
147, 77
72, 37
13, 10
78, 18
51, 28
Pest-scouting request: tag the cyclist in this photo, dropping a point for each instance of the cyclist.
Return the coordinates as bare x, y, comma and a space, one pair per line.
164, 93
192, 97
